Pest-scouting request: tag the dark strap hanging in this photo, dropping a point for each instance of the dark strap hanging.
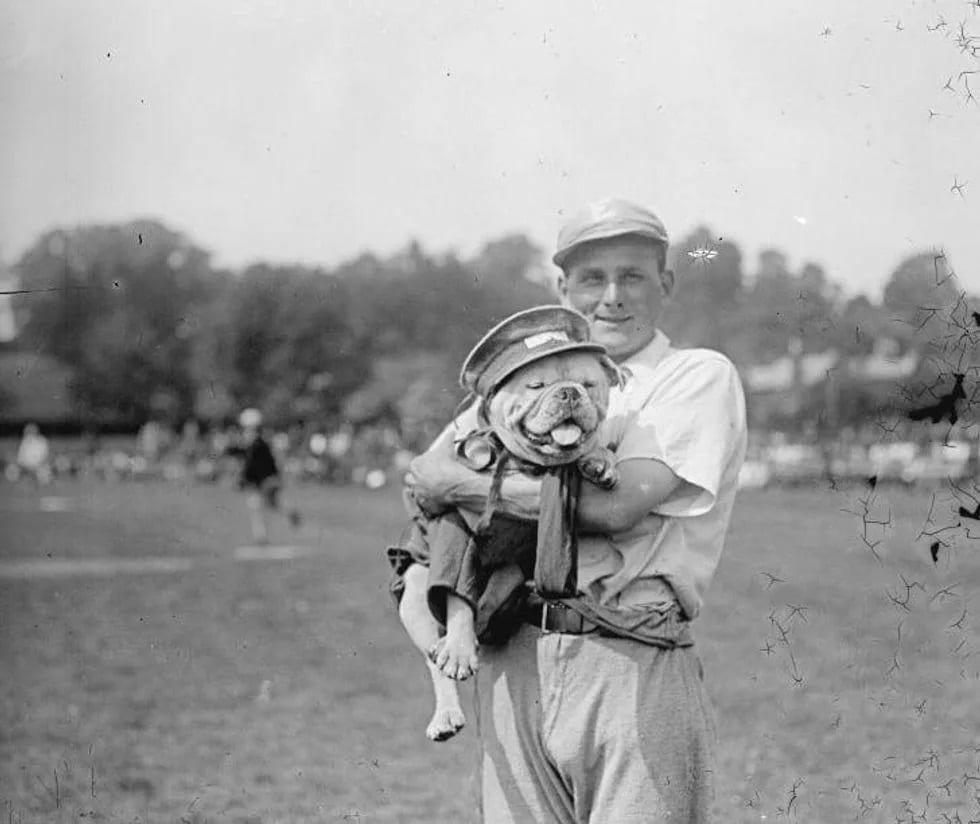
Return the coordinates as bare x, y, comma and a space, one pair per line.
556, 561
556, 565
493, 499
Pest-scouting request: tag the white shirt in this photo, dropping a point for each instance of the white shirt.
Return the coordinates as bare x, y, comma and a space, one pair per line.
33, 452
685, 408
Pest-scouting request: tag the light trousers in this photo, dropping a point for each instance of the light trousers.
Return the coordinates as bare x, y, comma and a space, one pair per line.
583, 729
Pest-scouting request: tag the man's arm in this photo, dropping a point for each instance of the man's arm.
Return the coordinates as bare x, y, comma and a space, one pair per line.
438, 480
643, 485
437, 477
710, 423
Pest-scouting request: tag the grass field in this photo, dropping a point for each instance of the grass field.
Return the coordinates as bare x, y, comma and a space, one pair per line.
222, 689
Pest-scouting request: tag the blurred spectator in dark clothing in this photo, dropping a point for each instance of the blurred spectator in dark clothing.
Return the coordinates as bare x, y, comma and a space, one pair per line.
190, 442
259, 476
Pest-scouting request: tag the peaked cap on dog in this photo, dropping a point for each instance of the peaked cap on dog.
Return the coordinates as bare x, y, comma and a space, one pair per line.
521, 339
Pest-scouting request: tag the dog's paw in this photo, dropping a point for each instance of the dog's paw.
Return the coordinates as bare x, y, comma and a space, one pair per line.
455, 658
445, 723
600, 469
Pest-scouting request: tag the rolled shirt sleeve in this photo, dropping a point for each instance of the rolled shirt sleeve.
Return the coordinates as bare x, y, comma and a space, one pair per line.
686, 409
692, 420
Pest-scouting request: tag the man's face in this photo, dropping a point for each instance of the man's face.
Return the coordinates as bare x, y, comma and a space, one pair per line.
617, 284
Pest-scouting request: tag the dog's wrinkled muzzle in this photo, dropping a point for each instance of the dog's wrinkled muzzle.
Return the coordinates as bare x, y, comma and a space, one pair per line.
564, 413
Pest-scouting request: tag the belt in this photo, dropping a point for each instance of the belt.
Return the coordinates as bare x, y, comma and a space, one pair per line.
554, 616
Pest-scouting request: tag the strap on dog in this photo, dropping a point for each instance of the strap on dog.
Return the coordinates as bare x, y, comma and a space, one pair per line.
463, 404
556, 563
493, 498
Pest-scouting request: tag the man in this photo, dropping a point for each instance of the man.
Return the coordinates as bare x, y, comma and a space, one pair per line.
596, 710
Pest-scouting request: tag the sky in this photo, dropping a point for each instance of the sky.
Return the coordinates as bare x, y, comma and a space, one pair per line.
312, 131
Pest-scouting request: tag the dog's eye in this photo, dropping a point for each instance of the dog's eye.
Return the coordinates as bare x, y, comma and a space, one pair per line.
535, 384
589, 384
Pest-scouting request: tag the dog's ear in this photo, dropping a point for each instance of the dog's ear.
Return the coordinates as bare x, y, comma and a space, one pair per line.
618, 375
481, 404
483, 408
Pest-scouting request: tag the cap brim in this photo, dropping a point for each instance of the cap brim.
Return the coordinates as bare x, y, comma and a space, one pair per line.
605, 234
541, 354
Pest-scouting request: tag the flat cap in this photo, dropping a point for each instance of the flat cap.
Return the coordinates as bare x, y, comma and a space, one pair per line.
521, 339
607, 218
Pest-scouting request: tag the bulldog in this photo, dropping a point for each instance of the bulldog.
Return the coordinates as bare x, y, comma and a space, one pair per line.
543, 392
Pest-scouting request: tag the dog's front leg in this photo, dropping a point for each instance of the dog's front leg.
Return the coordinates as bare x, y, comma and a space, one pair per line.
448, 718
599, 467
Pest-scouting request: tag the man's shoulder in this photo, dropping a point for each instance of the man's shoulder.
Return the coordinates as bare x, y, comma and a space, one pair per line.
680, 376
698, 357
685, 369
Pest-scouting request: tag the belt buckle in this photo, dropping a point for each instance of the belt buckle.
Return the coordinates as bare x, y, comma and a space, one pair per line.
545, 606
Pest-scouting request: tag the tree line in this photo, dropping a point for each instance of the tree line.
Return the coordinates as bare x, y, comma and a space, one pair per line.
150, 327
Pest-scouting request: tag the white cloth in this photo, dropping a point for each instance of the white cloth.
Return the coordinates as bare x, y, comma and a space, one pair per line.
685, 408
33, 452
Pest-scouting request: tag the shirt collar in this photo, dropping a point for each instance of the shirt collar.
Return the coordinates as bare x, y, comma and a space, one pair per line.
651, 354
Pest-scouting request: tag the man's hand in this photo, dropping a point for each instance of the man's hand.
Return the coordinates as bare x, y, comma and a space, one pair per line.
412, 501
434, 477
438, 481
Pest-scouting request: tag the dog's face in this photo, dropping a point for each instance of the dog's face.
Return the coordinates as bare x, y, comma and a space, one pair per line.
548, 412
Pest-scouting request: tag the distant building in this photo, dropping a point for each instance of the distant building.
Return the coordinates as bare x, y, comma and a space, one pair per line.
783, 390
34, 387
789, 372
8, 327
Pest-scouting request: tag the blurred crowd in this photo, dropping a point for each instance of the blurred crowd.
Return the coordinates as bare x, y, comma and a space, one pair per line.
372, 455
375, 456
775, 459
